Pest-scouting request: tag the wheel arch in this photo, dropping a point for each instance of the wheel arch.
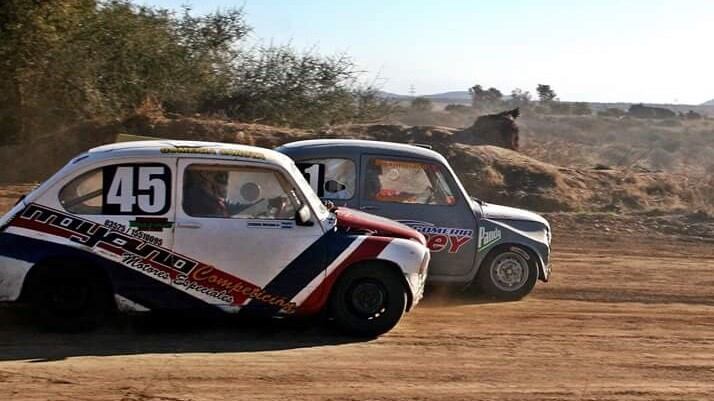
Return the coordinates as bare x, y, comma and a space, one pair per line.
77, 264
389, 265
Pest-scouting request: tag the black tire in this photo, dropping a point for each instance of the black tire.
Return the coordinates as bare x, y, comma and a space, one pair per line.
67, 298
368, 300
508, 273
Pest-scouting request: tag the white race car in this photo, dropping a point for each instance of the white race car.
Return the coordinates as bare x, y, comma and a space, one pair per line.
162, 225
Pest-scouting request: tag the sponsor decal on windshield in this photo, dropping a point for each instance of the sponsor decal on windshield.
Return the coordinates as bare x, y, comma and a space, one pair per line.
451, 239
405, 165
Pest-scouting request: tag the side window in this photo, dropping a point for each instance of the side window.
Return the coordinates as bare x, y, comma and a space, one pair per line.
83, 195
237, 192
330, 178
407, 182
135, 189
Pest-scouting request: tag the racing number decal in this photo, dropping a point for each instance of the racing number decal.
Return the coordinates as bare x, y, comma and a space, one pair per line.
314, 173
136, 189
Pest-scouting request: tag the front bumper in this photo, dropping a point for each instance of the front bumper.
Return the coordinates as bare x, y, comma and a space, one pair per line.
545, 273
545, 264
417, 281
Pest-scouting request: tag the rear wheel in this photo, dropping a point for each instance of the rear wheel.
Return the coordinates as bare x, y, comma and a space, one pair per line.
67, 298
508, 273
368, 300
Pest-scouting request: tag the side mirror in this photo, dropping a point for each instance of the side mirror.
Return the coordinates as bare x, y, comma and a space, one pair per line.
303, 217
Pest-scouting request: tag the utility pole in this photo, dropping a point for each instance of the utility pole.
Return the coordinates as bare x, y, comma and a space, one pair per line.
412, 91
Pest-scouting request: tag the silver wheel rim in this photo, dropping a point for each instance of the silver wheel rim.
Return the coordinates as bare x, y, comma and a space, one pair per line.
509, 271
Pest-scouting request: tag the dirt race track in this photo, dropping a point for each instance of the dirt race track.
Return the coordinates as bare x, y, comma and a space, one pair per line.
626, 317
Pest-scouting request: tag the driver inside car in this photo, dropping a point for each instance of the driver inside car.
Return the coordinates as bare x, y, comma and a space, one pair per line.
205, 193
216, 193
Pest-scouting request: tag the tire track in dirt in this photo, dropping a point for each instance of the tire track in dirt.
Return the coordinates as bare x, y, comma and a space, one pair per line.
625, 317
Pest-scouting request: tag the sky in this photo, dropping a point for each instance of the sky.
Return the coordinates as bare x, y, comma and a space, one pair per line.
599, 50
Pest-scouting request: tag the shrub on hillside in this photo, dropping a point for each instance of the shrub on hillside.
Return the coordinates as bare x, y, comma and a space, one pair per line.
581, 109
66, 61
611, 112
458, 108
421, 104
282, 86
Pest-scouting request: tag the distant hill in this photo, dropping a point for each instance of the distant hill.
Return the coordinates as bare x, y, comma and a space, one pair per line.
394, 96
446, 97
453, 96
463, 97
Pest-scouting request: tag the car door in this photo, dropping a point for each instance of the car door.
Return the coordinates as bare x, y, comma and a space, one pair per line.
237, 222
422, 194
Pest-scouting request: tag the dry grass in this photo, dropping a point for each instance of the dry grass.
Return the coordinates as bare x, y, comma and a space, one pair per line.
680, 146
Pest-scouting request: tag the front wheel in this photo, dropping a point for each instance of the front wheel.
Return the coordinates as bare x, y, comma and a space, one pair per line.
508, 273
368, 300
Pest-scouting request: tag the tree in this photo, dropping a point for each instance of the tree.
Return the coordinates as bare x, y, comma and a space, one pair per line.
65, 61
32, 36
69, 60
421, 104
519, 98
481, 97
280, 85
546, 94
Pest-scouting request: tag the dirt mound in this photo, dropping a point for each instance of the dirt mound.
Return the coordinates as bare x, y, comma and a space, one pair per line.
38, 160
492, 173
503, 176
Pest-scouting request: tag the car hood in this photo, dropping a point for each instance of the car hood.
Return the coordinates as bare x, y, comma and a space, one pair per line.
499, 212
354, 220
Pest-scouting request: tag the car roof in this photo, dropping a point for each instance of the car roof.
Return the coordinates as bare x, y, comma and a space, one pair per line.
327, 147
199, 149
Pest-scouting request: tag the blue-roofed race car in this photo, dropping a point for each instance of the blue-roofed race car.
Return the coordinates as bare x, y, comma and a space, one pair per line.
501, 250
